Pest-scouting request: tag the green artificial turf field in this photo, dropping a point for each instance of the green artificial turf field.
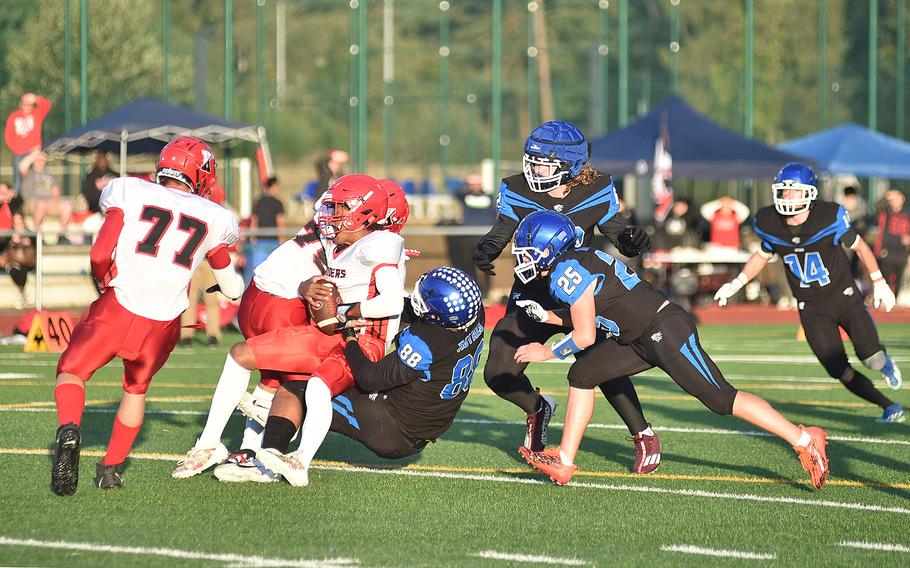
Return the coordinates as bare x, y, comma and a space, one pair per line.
469, 500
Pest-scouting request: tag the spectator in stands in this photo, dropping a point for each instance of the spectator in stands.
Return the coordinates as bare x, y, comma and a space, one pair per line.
724, 216
893, 241
95, 181
478, 211
41, 194
23, 130
268, 214
10, 203
329, 168
18, 257
683, 227
859, 220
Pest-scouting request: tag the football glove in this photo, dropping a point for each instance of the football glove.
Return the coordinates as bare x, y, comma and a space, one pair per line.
484, 262
349, 333
341, 314
633, 241
882, 294
534, 310
729, 289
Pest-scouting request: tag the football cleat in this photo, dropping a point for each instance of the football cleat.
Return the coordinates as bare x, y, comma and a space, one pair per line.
647, 452
549, 462
198, 460
891, 374
242, 466
65, 471
109, 476
252, 408
813, 457
539, 423
893, 413
288, 465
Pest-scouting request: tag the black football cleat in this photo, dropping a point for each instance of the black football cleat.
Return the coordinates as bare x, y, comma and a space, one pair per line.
65, 471
109, 476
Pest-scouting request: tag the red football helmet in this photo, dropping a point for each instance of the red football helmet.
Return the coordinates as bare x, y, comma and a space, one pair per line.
189, 161
353, 202
399, 210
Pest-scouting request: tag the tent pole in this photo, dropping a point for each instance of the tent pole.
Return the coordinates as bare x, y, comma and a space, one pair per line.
124, 136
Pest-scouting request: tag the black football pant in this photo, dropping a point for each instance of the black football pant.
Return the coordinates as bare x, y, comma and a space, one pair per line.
367, 419
672, 345
820, 322
507, 378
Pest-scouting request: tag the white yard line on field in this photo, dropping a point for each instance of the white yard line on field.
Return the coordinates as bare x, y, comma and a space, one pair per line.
692, 549
533, 559
232, 559
8, 376
575, 485
874, 546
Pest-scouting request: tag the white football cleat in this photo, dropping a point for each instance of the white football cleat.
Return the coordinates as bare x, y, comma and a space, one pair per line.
253, 409
287, 465
198, 460
242, 466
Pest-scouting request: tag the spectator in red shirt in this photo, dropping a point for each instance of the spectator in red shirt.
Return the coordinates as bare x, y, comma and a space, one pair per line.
23, 129
893, 241
725, 215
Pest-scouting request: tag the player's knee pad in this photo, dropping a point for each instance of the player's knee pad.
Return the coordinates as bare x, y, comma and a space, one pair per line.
877, 361
847, 375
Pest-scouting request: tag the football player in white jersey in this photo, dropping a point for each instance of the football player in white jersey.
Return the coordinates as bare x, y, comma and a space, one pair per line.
269, 303
153, 238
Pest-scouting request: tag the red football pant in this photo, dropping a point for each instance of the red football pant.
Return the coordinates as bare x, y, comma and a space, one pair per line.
304, 350
261, 312
109, 330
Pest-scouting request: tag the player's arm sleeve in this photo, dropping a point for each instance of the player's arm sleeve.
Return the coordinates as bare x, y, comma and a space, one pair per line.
611, 228
102, 253
493, 243
389, 372
229, 280
389, 300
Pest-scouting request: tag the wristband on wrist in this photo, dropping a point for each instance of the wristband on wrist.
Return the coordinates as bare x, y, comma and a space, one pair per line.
565, 347
876, 276
742, 279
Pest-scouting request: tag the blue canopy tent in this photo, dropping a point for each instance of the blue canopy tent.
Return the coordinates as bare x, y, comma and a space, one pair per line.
853, 149
701, 148
144, 126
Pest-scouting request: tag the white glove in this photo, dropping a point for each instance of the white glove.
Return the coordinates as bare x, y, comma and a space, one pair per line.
534, 310
729, 289
882, 294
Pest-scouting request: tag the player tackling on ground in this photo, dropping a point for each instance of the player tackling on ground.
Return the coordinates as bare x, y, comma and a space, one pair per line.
153, 238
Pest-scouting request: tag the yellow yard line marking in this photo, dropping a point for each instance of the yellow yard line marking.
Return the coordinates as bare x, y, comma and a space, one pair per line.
102, 402
513, 471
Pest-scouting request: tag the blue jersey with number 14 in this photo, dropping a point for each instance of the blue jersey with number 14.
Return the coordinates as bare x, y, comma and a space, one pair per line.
816, 264
624, 303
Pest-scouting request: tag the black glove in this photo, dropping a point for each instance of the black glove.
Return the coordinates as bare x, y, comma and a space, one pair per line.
484, 262
633, 241
349, 333
213, 289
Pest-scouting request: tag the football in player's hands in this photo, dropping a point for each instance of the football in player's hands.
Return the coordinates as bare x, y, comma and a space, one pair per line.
323, 312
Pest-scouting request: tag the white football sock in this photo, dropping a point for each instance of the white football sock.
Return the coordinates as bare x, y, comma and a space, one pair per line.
252, 435
647, 432
804, 440
231, 385
564, 459
317, 421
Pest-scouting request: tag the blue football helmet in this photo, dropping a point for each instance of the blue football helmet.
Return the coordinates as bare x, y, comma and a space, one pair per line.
795, 187
448, 297
559, 149
540, 239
